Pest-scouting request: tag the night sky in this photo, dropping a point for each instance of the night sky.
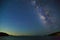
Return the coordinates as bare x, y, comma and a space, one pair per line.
29, 17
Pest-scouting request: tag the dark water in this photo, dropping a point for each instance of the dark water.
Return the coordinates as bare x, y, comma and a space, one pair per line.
29, 38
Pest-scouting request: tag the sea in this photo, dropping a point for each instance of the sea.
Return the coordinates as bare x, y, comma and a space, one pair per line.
29, 38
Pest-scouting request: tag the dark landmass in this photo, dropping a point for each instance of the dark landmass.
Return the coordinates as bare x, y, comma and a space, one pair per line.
3, 34
55, 34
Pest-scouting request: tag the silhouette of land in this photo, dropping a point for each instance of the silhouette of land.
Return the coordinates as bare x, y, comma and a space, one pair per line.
3, 34
55, 34
52, 34
47, 37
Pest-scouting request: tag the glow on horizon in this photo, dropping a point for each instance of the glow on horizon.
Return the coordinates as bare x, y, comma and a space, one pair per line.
16, 34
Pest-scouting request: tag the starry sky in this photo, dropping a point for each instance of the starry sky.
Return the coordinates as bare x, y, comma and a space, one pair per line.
29, 17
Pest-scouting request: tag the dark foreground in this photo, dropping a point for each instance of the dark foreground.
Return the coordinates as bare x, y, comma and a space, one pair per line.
29, 38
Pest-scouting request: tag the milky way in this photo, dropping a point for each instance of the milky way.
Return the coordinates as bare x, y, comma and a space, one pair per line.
29, 17
46, 14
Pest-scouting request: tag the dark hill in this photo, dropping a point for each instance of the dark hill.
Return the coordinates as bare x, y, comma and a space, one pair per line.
55, 34
3, 34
